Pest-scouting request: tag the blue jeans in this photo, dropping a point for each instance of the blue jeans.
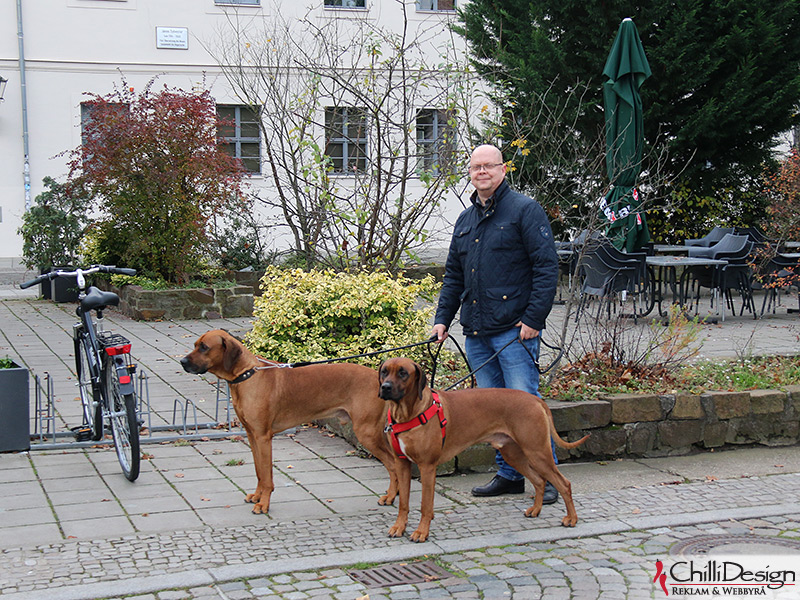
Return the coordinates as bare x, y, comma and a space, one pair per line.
512, 368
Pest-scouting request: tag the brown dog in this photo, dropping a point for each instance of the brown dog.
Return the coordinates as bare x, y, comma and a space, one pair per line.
516, 423
269, 399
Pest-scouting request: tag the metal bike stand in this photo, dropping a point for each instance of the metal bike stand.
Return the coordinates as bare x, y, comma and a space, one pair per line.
44, 411
226, 399
143, 400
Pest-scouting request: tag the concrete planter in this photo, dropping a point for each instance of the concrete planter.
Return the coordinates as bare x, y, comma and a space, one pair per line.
14, 409
179, 304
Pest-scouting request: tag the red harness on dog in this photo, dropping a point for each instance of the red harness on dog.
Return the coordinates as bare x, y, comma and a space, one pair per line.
394, 428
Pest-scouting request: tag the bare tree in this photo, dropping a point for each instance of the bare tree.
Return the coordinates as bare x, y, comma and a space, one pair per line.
363, 128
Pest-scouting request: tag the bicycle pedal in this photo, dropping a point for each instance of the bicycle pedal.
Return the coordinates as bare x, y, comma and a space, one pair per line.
82, 433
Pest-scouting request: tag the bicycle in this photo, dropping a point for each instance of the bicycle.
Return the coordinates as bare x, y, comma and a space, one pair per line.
104, 369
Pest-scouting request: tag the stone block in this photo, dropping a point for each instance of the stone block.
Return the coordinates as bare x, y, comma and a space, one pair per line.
794, 394
680, 434
479, 457
201, 295
730, 405
714, 434
633, 408
571, 416
767, 401
151, 314
606, 442
641, 437
237, 306
687, 406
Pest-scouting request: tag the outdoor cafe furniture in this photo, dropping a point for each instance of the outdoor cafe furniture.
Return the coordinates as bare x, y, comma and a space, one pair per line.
734, 274
712, 237
664, 276
781, 272
602, 280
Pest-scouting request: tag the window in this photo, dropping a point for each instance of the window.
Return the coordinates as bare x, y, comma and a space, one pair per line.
436, 5
242, 134
90, 110
346, 138
435, 140
244, 2
346, 3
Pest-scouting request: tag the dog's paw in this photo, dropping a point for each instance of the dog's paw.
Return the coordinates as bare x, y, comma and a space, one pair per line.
533, 512
260, 508
419, 536
569, 521
397, 530
252, 498
386, 500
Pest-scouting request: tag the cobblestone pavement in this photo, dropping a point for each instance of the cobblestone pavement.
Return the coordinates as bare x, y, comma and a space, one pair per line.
71, 527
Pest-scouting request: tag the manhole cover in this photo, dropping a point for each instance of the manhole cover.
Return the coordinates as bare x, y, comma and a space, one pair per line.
736, 544
400, 573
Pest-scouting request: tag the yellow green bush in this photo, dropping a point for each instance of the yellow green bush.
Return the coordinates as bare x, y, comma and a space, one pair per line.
316, 315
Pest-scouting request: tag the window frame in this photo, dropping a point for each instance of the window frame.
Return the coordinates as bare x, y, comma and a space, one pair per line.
341, 6
347, 140
237, 139
435, 7
237, 2
436, 153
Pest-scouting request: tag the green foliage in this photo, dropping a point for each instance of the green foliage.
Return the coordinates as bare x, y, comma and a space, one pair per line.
53, 227
238, 242
316, 315
154, 166
773, 372
784, 199
7, 363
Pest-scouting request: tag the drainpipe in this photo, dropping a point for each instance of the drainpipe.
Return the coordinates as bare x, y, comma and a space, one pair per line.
26, 169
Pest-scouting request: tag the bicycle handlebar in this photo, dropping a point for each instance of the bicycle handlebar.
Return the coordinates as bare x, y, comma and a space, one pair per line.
89, 271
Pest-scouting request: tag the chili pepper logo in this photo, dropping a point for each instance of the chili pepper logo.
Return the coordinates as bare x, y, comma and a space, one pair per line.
661, 576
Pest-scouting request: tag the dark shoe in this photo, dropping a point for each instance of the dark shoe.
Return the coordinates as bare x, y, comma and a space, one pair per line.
499, 486
550, 495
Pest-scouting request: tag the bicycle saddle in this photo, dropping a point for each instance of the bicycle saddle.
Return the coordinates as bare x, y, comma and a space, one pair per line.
96, 298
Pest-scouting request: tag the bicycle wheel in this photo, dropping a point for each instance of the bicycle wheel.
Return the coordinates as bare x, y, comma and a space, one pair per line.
124, 424
92, 407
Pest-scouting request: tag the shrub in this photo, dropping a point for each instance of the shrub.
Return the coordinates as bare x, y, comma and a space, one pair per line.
316, 315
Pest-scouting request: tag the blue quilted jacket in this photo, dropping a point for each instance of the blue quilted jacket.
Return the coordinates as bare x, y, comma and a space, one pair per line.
502, 266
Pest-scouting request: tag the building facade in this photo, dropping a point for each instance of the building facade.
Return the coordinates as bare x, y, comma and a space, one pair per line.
54, 52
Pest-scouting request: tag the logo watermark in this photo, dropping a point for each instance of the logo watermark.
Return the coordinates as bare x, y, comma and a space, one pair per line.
772, 577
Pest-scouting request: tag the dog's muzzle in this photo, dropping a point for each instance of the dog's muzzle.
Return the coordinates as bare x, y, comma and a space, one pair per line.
389, 392
192, 368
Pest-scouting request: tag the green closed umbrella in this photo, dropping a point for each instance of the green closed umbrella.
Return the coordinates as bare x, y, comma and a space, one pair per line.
626, 69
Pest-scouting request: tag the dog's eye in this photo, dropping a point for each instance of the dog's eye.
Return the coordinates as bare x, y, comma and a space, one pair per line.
403, 373
202, 347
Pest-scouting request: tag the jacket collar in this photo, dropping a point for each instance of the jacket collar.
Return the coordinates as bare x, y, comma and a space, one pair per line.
491, 203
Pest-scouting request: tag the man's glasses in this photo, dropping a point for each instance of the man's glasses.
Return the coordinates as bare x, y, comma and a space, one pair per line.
479, 168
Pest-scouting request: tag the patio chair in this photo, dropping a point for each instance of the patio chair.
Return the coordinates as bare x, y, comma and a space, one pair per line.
755, 235
603, 281
712, 237
721, 279
641, 286
780, 273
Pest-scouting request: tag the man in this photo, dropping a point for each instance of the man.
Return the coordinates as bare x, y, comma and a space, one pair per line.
502, 270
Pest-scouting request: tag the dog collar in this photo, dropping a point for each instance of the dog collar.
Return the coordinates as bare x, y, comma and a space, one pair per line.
393, 428
243, 377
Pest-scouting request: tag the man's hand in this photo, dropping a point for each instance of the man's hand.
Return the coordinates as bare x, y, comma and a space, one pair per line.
440, 331
525, 332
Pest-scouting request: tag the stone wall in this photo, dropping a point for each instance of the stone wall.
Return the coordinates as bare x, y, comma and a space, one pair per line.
195, 303
645, 425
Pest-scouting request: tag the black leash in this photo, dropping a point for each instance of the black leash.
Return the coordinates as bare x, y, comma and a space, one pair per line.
435, 358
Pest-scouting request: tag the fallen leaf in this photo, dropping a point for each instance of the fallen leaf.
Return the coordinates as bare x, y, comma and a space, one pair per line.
636, 511
180, 475
779, 466
710, 478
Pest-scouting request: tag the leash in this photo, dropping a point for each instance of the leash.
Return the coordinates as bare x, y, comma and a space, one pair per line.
493, 356
434, 360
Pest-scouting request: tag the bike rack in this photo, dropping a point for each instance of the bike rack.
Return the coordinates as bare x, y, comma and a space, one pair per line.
45, 436
44, 412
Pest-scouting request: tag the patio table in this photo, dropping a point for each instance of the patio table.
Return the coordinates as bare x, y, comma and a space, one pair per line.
665, 273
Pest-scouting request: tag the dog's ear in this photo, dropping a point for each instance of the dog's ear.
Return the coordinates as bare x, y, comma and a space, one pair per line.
231, 351
380, 368
422, 380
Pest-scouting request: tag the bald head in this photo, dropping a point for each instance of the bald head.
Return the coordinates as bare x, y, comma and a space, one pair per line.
486, 170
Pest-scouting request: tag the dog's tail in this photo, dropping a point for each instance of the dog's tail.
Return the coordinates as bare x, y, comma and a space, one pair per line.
554, 434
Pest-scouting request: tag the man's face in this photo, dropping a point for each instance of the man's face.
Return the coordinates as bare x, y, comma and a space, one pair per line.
487, 179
